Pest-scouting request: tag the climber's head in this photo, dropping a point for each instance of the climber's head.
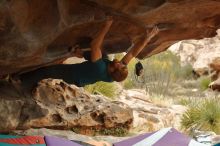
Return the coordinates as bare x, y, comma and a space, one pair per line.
118, 70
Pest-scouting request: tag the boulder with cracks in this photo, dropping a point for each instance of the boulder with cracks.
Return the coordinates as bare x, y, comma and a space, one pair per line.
57, 105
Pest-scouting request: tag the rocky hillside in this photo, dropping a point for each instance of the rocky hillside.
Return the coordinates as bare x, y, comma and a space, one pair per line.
203, 55
199, 53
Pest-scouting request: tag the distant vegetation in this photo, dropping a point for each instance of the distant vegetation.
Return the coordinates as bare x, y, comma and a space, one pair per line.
204, 82
160, 72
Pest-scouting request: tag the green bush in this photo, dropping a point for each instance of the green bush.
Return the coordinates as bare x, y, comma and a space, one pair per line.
184, 101
160, 72
204, 82
202, 115
103, 88
128, 83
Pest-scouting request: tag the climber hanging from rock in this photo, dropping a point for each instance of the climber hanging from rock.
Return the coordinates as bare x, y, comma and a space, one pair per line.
97, 68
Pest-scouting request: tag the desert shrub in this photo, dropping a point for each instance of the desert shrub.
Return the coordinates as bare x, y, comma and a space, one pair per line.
184, 72
160, 72
103, 88
148, 126
184, 101
192, 84
76, 129
128, 83
202, 115
118, 131
161, 100
114, 131
204, 82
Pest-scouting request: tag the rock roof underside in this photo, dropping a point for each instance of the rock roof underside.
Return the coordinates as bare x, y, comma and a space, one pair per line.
37, 32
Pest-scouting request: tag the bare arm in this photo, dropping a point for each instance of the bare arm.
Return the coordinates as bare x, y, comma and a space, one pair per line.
139, 46
96, 44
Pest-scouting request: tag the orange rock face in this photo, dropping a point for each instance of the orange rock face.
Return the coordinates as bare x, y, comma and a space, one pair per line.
37, 32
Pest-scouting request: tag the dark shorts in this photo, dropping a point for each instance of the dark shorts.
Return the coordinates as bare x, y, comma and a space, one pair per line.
64, 72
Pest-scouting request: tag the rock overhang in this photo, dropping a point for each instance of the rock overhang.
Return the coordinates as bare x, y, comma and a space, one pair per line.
38, 32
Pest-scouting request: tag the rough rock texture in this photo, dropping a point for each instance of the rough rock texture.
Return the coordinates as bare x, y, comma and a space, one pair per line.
215, 66
34, 33
58, 105
149, 116
202, 54
215, 85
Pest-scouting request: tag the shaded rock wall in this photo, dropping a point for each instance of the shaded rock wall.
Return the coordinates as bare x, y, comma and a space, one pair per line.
34, 33
57, 105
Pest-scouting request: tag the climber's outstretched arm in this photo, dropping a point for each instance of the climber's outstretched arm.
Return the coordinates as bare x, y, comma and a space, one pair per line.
96, 44
139, 46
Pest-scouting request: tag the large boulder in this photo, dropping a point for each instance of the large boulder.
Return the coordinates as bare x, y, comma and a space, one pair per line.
57, 105
150, 115
37, 32
215, 66
202, 54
